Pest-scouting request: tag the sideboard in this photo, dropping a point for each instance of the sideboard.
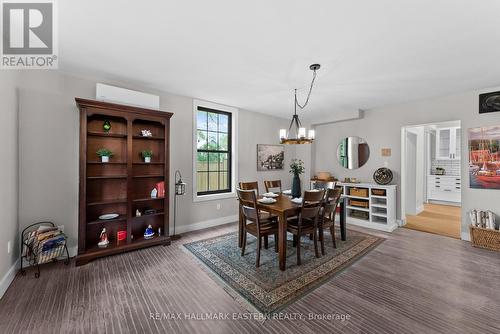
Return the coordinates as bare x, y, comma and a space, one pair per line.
368, 205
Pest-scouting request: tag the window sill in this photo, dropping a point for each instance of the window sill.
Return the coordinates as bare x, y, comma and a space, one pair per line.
213, 197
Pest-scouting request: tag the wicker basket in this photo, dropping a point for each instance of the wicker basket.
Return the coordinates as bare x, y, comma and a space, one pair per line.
360, 214
360, 192
485, 238
378, 192
358, 203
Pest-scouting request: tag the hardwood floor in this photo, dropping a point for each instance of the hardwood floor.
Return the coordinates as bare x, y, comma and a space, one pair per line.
438, 219
412, 283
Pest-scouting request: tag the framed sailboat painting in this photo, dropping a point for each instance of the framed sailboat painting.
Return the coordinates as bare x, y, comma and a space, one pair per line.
484, 157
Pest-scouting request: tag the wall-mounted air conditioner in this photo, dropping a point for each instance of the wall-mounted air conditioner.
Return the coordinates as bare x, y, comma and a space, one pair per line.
126, 96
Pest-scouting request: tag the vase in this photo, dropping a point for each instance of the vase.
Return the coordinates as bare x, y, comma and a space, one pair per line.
296, 187
147, 160
104, 158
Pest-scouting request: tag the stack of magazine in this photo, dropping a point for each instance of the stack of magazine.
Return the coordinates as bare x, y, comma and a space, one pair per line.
44, 244
483, 219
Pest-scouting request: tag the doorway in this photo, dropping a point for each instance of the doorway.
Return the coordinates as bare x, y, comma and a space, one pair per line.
431, 178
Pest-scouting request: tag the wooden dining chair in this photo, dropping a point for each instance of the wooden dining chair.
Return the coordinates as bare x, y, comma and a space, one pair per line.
248, 186
307, 220
327, 218
254, 186
275, 184
261, 224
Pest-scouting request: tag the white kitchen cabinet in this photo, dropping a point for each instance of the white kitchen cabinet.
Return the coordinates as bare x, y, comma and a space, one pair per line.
448, 143
445, 188
458, 143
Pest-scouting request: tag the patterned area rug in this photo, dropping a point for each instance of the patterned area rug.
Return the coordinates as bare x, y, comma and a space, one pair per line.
267, 288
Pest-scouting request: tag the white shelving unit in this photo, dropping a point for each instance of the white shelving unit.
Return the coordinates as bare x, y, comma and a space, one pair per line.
381, 211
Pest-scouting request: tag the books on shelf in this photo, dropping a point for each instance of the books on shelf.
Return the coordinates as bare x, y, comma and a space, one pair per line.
483, 219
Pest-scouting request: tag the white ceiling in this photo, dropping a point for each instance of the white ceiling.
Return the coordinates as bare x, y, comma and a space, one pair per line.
251, 54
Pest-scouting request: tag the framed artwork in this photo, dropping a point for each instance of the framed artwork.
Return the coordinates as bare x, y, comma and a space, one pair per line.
489, 102
484, 157
270, 157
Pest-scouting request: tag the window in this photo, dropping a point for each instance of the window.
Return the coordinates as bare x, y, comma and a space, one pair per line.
213, 151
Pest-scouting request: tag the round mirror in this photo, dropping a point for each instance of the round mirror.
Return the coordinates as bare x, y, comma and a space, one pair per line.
353, 152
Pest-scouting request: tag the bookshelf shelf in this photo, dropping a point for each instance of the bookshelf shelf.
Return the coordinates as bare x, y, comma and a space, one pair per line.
109, 201
148, 216
108, 135
106, 177
146, 199
147, 176
105, 221
149, 138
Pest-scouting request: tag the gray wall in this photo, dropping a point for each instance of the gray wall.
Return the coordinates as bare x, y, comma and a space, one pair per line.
8, 171
49, 150
381, 127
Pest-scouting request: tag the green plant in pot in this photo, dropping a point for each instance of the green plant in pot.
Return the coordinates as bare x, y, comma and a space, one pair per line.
147, 155
296, 168
105, 154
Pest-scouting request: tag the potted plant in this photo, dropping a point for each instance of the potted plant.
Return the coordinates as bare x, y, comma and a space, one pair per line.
105, 154
147, 154
296, 168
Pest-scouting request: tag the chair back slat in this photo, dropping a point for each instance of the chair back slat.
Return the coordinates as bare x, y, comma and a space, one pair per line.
332, 199
250, 213
274, 184
333, 195
309, 212
247, 197
248, 205
250, 186
311, 205
312, 197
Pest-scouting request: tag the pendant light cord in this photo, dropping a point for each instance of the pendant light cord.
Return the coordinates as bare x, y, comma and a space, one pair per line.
308, 95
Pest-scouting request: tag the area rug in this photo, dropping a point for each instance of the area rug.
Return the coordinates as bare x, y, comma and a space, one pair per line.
267, 288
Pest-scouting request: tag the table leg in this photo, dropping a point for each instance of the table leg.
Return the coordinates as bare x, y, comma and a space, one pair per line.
282, 240
343, 214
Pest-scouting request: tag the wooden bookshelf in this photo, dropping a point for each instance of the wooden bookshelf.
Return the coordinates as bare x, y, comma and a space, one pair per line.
124, 184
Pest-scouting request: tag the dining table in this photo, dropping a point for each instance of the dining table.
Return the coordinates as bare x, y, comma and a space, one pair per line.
284, 208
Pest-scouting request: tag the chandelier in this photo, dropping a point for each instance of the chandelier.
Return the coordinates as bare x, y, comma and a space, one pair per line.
298, 134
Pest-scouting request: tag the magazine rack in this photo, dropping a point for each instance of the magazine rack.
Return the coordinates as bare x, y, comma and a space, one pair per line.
36, 252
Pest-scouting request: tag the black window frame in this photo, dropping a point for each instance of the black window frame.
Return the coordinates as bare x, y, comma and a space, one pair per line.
228, 152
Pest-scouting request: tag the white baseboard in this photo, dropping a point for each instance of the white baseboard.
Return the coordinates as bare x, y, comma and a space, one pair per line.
435, 201
420, 209
465, 236
204, 224
73, 251
8, 278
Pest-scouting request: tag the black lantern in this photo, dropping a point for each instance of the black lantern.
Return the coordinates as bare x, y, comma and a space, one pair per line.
180, 189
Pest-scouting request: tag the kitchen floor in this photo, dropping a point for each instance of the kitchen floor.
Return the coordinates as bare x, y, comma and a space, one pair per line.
438, 219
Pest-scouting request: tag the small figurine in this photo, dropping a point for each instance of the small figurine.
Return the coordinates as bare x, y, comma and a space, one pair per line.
154, 193
159, 231
146, 133
103, 239
149, 233
137, 213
